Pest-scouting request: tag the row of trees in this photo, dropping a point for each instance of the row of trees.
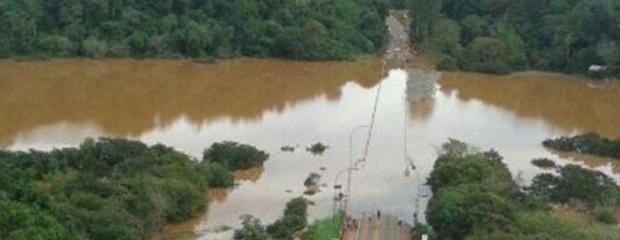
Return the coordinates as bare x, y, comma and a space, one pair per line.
475, 198
499, 36
105, 189
318, 29
590, 143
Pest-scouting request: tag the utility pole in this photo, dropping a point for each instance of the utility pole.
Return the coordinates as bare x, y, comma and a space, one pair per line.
338, 194
346, 201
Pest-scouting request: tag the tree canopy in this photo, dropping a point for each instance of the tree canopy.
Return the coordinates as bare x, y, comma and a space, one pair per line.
590, 143
104, 189
318, 29
480, 200
500, 36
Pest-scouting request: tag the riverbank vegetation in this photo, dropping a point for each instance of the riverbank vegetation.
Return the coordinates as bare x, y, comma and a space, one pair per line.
316, 30
505, 36
104, 189
590, 143
481, 201
328, 228
293, 220
290, 225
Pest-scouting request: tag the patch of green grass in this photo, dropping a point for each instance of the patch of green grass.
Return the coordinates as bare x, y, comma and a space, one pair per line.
324, 229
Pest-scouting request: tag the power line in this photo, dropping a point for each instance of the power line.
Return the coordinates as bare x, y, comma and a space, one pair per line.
374, 111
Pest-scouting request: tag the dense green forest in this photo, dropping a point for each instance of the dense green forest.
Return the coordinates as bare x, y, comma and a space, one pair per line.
475, 198
500, 36
106, 189
317, 29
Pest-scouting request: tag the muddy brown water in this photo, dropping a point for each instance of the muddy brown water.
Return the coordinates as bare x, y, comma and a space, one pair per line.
272, 103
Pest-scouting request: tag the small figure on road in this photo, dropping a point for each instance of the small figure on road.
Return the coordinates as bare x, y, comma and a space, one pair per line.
378, 213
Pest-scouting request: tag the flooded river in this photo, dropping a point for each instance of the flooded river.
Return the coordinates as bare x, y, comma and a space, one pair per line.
272, 103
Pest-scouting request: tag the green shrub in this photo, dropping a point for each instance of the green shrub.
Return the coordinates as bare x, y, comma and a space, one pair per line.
94, 48
119, 50
293, 220
606, 215
251, 229
234, 156
55, 45
457, 211
328, 228
317, 148
219, 176
543, 163
590, 143
459, 164
576, 183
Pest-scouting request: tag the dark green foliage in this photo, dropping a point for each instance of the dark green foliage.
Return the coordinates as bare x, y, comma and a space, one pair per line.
234, 156
318, 29
293, 220
317, 148
577, 183
421, 229
251, 229
219, 176
457, 166
471, 192
503, 36
471, 206
606, 215
312, 180
460, 210
20, 221
586, 144
105, 189
543, 163
444, 43
327, 228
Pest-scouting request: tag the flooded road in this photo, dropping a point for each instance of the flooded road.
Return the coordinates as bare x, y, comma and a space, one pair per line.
272, 103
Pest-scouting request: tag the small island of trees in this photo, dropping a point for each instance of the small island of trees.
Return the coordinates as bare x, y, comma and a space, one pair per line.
590, 143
